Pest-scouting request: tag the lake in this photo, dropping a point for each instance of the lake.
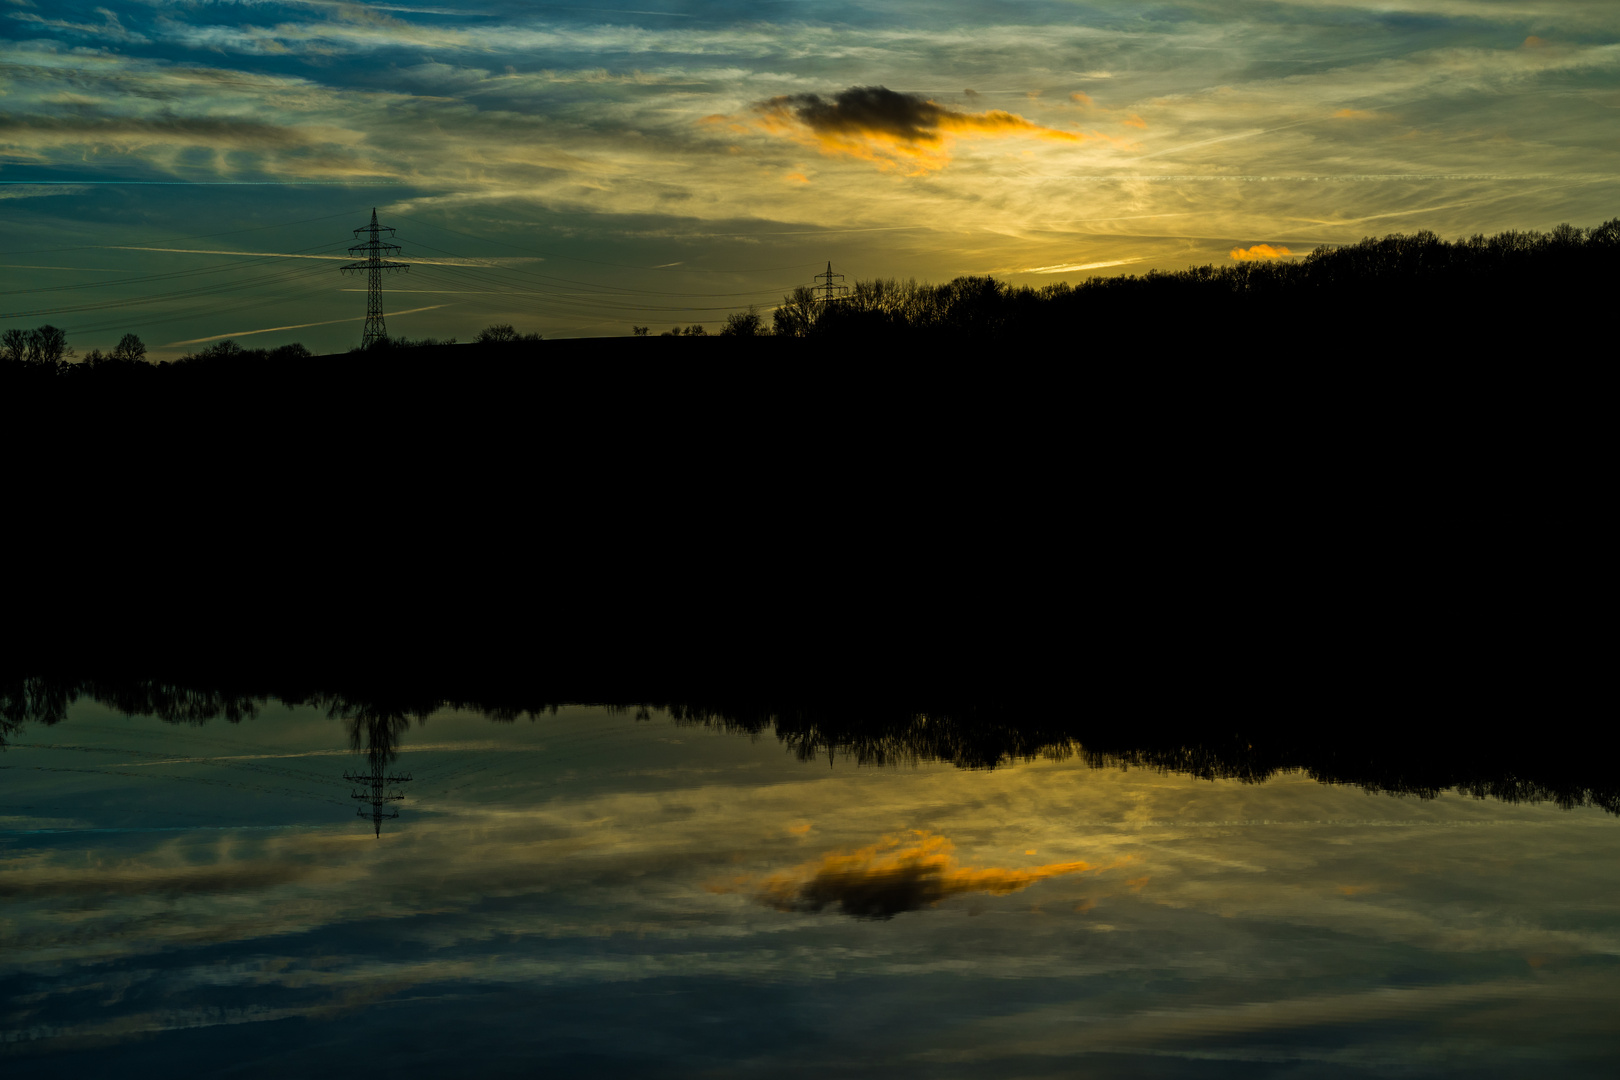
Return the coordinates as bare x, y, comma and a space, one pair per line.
600, 891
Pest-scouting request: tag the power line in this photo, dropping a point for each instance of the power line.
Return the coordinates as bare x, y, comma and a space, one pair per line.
602, 262
177, 239
548, 278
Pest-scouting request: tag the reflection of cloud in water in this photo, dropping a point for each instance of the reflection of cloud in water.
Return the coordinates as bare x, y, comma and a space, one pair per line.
907, 872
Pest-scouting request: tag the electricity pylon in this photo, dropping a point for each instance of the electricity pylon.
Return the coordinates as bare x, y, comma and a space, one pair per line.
827, 290
376, 795
374, 260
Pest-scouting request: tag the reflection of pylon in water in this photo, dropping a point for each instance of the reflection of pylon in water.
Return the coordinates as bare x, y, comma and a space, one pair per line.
376, 793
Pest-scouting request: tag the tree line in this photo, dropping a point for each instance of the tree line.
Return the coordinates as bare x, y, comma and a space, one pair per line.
1476, 284
1418, 275
44, 352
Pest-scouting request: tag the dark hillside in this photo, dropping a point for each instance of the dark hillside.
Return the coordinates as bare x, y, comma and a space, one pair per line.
934, 503
1395, 297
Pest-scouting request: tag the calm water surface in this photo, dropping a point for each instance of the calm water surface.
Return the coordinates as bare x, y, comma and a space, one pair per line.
589, 893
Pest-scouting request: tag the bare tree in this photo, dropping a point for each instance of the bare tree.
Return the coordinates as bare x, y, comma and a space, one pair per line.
129, 350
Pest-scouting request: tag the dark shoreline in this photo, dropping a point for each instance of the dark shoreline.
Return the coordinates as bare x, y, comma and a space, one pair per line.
1383, 756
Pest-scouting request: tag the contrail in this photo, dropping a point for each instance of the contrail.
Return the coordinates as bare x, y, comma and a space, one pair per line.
215, 183
298, 326
495, 261
1064, 268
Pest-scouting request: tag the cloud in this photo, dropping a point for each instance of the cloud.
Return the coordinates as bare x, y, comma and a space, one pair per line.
131, 878
111, 29
874, 123
39, 191
906, 872
1261, 251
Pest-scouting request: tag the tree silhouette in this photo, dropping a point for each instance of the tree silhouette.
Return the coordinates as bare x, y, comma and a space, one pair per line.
744, 324
14, 346
129, 350
502, 334
496, 333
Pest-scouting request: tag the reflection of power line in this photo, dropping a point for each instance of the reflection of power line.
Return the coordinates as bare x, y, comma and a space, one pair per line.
172, 778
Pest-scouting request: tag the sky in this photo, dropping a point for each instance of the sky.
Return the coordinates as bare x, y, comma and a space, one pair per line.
587, 891
193, 170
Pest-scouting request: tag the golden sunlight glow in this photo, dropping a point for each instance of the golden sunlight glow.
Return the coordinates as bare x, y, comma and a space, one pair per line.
1261, 251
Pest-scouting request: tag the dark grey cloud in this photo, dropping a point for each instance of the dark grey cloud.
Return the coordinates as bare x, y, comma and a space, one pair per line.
864, 110
907, 872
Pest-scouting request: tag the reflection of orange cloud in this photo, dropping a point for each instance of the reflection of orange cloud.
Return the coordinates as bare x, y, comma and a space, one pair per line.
1533, 42
1087, 104
1352, 114
898, 873
890, 129
798, 178
1260, 251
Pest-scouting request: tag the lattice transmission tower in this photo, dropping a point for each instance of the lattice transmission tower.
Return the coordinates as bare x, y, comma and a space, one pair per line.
376, 793
827, 287
375, 256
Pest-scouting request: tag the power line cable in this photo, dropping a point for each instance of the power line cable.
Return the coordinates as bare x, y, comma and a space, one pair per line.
177, 239
602, 262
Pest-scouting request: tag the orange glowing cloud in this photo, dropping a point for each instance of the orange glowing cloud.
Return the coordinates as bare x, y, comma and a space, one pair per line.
890, 129
1352, 114
907, 872
1260, 251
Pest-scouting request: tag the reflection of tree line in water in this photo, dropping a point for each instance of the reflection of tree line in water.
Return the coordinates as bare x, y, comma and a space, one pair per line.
1392, 756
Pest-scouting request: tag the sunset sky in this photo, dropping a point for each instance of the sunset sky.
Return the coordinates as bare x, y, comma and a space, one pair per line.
576, 169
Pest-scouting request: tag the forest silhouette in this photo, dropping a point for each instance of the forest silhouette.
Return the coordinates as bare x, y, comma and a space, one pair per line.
1393, 293
1376, 525
1419, 285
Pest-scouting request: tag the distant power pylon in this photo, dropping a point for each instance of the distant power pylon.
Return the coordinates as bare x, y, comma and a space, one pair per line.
826, 288
374, 260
